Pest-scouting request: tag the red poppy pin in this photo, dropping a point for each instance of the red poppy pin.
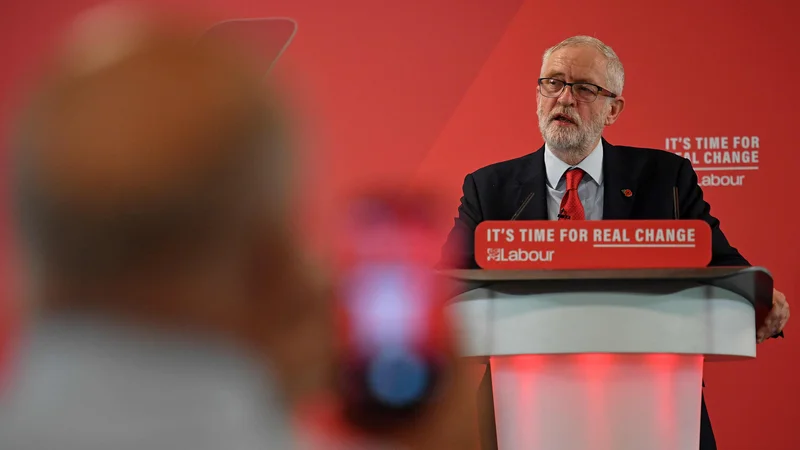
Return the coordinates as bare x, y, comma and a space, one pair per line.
627, 193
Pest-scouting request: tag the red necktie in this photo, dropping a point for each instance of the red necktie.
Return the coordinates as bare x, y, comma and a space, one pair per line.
571, 207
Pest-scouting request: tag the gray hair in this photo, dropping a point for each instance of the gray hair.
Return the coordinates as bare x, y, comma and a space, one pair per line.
614, 70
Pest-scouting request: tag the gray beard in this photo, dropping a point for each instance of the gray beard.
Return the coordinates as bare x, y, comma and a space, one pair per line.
575, 143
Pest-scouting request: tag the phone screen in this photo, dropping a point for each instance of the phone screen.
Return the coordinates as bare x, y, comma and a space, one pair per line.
388, 295
385, 301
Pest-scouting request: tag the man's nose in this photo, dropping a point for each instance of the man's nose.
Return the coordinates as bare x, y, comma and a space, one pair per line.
566, 98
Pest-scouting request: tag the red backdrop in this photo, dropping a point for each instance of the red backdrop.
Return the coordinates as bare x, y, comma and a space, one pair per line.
435, 89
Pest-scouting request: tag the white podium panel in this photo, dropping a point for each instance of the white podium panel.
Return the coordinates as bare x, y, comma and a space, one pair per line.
688, 319
606, 360
597, 401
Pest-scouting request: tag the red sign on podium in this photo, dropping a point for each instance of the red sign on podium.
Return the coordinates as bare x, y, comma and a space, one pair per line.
592, 244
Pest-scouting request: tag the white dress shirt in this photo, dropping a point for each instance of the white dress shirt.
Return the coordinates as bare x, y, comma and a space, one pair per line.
590, 189
85, 385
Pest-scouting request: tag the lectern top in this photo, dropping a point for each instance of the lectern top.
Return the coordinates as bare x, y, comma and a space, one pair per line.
752, 283
701, 273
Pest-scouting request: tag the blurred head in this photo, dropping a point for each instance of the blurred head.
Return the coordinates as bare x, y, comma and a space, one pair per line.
572, 117
151, 185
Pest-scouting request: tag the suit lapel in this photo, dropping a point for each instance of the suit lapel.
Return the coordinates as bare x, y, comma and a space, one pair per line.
619, 193
533, 181
620, 184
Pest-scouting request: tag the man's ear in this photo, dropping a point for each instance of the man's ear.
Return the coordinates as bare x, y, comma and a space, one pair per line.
293, 316
617, 105
271, 261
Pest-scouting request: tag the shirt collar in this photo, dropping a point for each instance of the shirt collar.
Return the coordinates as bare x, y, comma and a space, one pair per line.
592, 165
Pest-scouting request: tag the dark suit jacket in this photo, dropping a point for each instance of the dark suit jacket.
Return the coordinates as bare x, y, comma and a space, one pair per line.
497, 191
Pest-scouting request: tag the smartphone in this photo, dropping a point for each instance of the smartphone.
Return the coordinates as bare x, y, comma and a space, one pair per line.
397, 345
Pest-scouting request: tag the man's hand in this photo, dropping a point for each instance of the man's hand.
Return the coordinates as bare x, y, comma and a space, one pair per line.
776, 319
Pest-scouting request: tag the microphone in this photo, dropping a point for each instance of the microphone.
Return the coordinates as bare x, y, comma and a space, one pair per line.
563, 214
676, 209
522, 208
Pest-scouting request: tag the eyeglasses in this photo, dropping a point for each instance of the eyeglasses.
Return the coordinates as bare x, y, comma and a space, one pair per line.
583, 92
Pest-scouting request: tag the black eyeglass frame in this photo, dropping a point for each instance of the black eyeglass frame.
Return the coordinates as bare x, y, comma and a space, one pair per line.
600, 89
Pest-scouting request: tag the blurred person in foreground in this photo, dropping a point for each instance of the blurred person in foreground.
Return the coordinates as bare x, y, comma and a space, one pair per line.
166, 303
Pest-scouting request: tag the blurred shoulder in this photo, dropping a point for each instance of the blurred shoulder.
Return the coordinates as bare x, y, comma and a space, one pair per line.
510, 169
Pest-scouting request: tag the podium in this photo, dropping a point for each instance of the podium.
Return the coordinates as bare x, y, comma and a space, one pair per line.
605, 359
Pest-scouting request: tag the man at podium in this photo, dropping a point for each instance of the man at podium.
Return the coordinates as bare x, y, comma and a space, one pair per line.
578, 175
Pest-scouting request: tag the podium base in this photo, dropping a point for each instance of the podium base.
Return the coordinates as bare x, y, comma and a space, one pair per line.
597, 401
